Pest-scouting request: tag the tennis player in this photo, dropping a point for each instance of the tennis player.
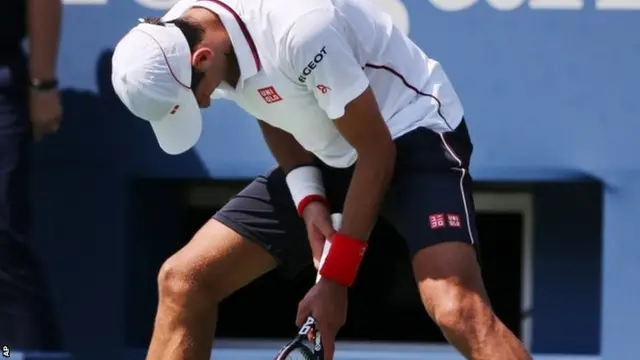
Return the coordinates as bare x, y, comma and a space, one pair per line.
360, 122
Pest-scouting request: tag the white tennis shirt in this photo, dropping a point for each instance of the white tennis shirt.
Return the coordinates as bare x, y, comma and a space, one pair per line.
301, 62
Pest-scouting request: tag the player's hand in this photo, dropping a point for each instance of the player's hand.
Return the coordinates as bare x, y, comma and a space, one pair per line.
45, 109
317, 219
327, 302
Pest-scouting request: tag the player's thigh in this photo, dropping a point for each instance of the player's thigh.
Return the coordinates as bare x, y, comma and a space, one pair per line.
430, 204
429, 200
429, 209
215, 263
255, 232
264, 214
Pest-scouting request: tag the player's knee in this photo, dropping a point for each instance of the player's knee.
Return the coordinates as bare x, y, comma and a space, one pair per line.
180, 285
462, 314
173, 284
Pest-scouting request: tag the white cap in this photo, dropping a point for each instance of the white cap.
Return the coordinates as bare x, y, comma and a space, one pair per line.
151, 74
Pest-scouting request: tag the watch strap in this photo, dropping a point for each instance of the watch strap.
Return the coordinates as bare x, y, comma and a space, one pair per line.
44, 85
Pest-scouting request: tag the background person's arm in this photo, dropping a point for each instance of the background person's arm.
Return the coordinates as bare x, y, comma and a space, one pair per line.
44, 19
45, 105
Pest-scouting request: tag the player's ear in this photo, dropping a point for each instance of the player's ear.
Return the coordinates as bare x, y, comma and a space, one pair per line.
202, 58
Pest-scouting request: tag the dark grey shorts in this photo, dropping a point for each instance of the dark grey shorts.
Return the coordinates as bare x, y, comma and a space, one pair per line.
429, 200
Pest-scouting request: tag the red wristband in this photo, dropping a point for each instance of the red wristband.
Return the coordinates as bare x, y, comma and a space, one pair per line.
308, 200
343, 260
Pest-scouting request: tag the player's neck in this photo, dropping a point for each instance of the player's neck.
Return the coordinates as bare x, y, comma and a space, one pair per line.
233, 69
221, 40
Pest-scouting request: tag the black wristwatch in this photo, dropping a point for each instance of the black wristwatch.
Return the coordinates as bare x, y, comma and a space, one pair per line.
44, 85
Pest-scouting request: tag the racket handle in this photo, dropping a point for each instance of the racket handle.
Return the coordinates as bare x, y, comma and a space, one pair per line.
336, 221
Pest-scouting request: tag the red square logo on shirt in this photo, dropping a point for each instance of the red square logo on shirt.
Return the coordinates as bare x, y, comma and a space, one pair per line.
269, 94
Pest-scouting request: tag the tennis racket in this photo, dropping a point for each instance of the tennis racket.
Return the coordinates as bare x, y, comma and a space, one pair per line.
299, 348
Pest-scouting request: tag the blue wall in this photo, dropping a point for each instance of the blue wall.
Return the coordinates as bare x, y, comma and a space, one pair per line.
550, 96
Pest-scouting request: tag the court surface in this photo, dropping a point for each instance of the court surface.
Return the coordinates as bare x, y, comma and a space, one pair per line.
266, 350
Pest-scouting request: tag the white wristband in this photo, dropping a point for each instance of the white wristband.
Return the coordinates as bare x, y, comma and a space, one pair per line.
303, 182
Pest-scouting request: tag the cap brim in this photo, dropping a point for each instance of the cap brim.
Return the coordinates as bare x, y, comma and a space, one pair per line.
179, 132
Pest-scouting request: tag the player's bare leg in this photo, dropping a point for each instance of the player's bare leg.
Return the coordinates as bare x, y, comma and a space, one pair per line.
453, 293
191, 283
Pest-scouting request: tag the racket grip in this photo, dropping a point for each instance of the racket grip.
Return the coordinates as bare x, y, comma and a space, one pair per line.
336, 221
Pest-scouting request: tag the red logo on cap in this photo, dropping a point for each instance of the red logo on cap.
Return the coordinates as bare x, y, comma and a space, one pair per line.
174, 109
269, 94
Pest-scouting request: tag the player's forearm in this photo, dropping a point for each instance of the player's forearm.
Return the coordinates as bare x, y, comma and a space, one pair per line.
369, 183
285, 148
43, 19
368, 186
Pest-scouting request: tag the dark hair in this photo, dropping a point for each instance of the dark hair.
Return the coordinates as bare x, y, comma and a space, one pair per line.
194, 34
